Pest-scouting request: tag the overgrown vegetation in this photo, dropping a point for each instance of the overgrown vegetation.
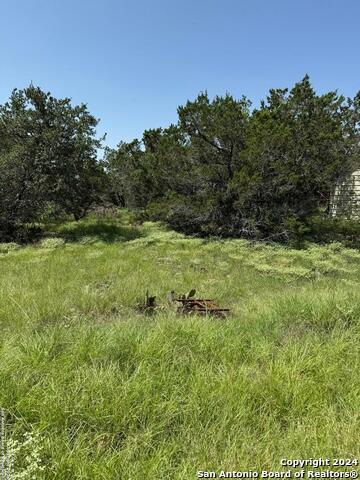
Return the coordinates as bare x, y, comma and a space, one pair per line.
224, 169
227, 170
48, 163
105, 390
110, 392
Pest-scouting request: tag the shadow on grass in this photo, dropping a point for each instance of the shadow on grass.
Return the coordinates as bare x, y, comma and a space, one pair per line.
99, 231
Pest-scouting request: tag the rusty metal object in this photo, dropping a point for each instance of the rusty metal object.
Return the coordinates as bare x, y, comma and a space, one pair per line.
149, 306
202, 306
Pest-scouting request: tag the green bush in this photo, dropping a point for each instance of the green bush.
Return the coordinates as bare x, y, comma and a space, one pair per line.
51, 243
325, 230
9, 247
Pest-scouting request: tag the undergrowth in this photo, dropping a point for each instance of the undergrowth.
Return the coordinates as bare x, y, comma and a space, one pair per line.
110, 393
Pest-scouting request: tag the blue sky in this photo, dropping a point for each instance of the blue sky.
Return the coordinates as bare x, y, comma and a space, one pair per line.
133, 62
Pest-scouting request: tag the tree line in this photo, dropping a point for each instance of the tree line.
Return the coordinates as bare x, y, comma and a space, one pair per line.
223, 169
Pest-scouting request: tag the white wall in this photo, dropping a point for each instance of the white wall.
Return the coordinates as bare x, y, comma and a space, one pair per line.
346, 198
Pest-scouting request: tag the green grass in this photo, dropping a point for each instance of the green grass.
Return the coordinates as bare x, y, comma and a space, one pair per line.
113, 393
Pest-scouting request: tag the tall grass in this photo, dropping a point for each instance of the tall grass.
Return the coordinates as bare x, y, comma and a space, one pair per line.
113, 393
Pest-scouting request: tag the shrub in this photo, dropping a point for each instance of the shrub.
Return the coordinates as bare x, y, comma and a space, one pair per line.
51, 243
8, 247
335, 230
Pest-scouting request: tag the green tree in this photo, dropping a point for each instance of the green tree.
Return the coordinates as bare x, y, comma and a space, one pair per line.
48, 159
141, 173
226, 170
298, 145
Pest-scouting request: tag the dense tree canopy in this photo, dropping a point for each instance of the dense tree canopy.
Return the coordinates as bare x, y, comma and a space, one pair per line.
298, 145
225, 169
47, 158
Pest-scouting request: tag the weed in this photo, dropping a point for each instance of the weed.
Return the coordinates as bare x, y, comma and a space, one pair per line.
115, 395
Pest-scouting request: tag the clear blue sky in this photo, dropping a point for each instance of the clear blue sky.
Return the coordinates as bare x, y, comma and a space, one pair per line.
133, 62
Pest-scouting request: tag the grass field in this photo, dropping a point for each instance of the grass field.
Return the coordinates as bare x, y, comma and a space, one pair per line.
110, 393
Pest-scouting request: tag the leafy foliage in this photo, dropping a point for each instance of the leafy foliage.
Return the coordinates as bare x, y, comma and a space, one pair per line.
298, 145
47, 158
226, 170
